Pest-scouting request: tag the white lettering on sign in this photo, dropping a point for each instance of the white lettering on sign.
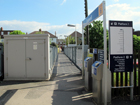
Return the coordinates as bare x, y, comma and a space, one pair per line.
125, 24
25, 37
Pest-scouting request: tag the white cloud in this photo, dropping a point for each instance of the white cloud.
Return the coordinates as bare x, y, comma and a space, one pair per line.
63, 2
22, 25
29, 27
64, 29
116, 0
124, 12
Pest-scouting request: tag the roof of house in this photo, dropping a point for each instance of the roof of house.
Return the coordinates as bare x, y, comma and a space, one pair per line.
78, 34
44, 32
136, 33
1, 29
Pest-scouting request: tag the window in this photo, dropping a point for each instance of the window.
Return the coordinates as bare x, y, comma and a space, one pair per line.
8, 33
1, 33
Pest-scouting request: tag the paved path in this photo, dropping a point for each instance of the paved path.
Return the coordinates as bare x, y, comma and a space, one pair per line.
64, 88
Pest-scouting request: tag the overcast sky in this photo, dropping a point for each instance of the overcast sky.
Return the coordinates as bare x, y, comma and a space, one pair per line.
54, 15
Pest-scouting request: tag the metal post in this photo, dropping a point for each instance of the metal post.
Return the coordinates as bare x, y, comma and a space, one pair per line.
105, 53
131, 89
72, 53
75, 36
75, 54
87, 37
68, 40
82, 52
86, 15
65, 44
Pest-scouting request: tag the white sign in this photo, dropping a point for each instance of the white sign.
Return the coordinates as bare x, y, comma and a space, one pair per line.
121, 37
34, 45
25, 37
121, 40
121, 46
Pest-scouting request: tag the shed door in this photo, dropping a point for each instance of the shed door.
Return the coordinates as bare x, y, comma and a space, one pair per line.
35, 58
16, 58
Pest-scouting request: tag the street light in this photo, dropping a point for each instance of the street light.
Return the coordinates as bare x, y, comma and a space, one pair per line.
70, 25
65, 38
59, 42
59, 36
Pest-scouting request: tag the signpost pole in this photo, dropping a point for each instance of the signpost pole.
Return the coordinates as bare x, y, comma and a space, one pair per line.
105, 53
100, 10
131, 89
82, 52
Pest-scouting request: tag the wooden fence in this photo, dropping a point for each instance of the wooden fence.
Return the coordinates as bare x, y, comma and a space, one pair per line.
123, 78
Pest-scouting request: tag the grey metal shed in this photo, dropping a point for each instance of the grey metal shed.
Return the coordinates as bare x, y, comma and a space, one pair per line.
26, 57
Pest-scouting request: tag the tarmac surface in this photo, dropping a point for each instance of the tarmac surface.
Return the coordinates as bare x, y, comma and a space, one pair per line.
65, 87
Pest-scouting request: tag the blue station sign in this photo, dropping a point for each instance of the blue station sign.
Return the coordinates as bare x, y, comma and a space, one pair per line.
94, 15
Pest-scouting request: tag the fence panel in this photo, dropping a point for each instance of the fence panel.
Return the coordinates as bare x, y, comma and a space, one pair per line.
75, 55
79, 57
50, 57
139, 72
71, 53
134, 71
118, 78
53, 56
123, 79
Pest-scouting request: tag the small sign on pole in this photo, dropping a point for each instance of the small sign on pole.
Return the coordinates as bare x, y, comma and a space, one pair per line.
101, 55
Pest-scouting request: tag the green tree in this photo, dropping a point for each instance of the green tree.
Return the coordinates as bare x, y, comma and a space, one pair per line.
54, 44
96, 34
17, 32
136, 42
97, 40
70, 40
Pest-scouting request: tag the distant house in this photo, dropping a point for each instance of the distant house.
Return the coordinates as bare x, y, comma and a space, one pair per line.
4, 32
136, 33
53, 38
61, 42
79, 37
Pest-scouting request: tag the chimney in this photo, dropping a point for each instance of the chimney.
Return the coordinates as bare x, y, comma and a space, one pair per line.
1, 28
40, 30
55, 33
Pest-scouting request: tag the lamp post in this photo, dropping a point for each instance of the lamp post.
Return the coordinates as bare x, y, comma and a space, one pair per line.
59, 42
65, 38
70, 25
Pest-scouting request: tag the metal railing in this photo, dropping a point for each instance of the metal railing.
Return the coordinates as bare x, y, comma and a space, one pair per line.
75, 54
1, 62
53, 56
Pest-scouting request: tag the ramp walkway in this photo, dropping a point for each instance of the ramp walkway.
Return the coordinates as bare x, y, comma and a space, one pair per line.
65, 87
70, 86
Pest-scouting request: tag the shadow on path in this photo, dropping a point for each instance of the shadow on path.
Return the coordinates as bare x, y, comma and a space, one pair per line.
69, 88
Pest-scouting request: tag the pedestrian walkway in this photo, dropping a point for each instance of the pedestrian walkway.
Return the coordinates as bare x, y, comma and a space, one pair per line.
65, 87
70, 87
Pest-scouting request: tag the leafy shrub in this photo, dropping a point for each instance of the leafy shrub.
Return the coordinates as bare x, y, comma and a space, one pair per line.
17, 32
